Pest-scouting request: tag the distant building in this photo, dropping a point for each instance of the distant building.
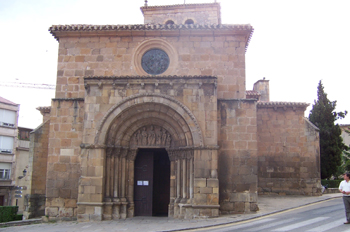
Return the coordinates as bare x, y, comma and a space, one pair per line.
155, 119
8, 141
344, 134
22, 169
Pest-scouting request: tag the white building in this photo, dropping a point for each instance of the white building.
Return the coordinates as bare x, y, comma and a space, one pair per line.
8, 142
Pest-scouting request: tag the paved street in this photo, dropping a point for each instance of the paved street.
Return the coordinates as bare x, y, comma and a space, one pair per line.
269, 206
321, 217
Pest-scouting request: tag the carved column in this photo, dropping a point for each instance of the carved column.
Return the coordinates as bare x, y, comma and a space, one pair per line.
108, 208
116, 200
109, 152
178, 176
191, 173
130, 193
116, 172
123, 212
184, 176
112, 176
172, 184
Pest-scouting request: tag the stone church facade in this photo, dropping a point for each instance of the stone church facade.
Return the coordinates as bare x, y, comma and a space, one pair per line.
155, 119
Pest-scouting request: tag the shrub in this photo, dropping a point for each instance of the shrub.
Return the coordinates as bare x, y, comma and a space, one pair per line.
18, 217
331, 183
8, 213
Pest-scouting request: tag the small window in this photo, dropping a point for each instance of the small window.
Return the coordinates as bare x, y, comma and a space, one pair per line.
169, 22
5, 170
189, 21
5, 174
23, 135
6, 144
7, 118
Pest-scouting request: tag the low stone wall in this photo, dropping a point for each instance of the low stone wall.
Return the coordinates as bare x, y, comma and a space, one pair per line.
331, 190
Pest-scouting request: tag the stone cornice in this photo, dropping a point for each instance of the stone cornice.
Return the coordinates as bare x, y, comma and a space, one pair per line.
284, 105
44, 109
67, 99
142, 80
147, 77
238, 99
152, 30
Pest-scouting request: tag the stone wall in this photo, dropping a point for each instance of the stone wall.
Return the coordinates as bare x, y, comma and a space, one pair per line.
63, 162
237, 155
289, 161
221, 56
34, 200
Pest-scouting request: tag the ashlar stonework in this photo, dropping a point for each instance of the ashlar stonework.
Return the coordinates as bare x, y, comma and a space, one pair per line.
190, 142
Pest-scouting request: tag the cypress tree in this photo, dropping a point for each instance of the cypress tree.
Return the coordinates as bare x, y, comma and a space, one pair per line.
323, 116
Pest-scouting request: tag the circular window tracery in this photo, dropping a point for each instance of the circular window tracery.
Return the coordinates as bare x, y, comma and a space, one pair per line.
155, 61
151, 44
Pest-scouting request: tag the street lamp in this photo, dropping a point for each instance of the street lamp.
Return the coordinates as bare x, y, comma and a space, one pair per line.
24, 174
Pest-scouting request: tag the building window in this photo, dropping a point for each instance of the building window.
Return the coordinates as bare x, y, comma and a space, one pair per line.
5, 171
6, 144
189, 21
169, 22
7, 118
5, 174
23, 134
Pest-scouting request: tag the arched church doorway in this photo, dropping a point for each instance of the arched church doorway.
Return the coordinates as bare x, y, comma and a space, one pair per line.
152, 182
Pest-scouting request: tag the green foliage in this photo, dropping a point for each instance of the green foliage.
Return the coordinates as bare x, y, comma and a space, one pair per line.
331, 183
8, 213
323, 116
18, 217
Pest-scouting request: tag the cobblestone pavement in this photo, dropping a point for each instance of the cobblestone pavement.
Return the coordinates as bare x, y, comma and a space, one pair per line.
267, 205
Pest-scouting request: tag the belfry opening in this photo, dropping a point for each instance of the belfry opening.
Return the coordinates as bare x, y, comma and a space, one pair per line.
152, 182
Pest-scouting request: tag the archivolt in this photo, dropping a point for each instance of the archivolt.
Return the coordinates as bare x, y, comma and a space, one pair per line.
145, 109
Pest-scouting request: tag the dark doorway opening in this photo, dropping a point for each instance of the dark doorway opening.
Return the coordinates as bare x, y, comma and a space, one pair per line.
152, 182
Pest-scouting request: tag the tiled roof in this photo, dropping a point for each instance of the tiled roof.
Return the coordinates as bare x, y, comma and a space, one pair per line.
252, 93
85, 29
89, 27
182, 5
282, 104
3, 100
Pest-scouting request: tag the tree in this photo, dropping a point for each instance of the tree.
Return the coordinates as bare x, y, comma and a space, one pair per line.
323, 116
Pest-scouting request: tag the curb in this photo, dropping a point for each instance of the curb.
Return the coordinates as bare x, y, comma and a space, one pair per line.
21, 223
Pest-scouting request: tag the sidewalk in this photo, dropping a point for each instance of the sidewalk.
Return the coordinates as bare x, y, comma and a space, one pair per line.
267, 204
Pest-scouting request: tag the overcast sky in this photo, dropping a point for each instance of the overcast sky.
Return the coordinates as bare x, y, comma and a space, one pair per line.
295, 44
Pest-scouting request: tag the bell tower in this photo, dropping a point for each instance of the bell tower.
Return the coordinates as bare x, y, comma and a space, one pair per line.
205, 13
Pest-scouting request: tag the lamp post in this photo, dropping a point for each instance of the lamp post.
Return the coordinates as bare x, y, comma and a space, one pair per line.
24, 174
